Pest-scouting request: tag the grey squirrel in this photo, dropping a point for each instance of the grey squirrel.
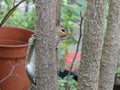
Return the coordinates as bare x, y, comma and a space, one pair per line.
30, 59
61, 34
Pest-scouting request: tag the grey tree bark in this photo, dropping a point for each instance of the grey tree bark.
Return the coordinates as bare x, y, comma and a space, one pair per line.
58, 12
46, 68
111, 49
91, 46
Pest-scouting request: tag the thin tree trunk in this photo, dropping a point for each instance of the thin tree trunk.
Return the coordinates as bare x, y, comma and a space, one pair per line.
111, 46
91, 46
45, 45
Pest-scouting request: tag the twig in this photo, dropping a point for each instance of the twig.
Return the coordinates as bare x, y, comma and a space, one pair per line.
10, 12
14, 2
81, 22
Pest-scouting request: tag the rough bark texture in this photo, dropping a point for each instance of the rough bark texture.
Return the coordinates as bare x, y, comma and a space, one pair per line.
91, 46
45, 45
110, 49
58, 12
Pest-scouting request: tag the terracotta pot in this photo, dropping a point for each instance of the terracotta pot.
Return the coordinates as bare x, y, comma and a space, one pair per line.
13, 47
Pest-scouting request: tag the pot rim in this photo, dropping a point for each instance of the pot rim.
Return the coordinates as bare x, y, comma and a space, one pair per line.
24, 44
17, 28
13, 46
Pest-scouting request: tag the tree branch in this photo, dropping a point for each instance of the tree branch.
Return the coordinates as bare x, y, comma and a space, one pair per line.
81, 22
10, 12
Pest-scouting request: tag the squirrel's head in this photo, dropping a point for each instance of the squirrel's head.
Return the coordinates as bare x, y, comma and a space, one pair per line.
62, 32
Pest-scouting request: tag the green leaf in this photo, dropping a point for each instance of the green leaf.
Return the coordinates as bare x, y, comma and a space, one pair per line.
118, 70
62, 60
82, 3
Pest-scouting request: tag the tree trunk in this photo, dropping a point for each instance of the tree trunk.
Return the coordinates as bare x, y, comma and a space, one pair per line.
111, 46
46, 69
91, 46
58, 12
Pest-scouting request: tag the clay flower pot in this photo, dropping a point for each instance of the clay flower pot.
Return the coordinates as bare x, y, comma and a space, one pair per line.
13, 48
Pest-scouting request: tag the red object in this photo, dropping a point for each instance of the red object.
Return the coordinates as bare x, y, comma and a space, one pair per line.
69, 58
13, 48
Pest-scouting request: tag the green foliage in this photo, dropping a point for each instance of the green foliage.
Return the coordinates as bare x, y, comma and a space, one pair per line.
72, 84
9, 4
118, 70
70, 18
20, 18
26, 20
118, 66
62, 59
71, 13
105, 20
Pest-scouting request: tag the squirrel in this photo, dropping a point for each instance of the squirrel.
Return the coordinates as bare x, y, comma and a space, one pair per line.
61, 34
30, 59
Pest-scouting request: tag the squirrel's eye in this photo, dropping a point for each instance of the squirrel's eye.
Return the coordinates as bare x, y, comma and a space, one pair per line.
63, 30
